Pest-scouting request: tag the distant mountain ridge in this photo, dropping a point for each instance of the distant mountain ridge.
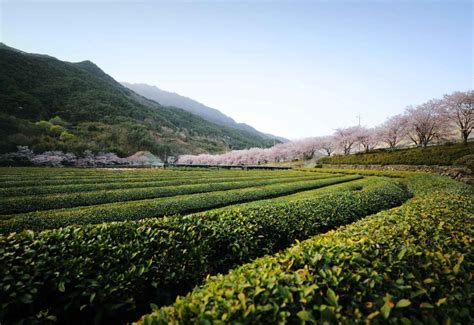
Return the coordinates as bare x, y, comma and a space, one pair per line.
49, 104
210, 114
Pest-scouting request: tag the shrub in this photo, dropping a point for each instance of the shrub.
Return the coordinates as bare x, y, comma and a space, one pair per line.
112, 271
128, 183
444, 155
94, 176
466, 161
135, 210
407, 265
23, 204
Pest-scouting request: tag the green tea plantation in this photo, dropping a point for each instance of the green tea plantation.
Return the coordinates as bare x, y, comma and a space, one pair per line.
216, 246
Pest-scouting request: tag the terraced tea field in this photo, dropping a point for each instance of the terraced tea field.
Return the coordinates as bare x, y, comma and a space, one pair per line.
109, 246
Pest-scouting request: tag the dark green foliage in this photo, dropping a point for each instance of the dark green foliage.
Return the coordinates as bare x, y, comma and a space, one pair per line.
97, 113
29, 203
129, 183
466, 161
409, 265
443, 155
148, 208
111, 272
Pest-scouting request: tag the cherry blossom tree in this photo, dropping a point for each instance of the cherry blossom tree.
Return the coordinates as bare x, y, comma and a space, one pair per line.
327, 145
346, 138
54, 158
308, 148
368, 138
427, 122
460, 110
394, 130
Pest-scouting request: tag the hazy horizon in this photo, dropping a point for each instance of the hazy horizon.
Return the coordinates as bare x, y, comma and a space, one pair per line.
291, 69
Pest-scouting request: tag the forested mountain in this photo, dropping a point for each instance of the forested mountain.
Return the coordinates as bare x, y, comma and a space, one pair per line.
48, 104
210, 114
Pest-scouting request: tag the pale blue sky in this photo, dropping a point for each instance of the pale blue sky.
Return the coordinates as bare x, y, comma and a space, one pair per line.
294, 69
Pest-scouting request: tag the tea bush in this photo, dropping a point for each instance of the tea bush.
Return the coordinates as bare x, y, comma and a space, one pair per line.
466, 161
150, 182
121, 177
111, 272
408, 265
29, 203
135, 210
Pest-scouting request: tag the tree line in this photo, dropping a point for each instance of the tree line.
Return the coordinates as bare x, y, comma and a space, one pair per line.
450, 118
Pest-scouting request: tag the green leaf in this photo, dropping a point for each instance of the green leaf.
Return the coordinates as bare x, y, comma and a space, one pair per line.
373, 315
458, 264
426, 305
61, 287
332, 297
51, 318
441, 301
242, 298
403, 303
385, 310
306, 315
26, 298
401, 253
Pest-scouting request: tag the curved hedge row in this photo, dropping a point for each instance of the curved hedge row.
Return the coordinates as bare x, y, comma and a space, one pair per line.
157, 176
366, 183
24, 204
368, 172
135, 210
72, 188
420, 182
407, 265
57, 173
112, 271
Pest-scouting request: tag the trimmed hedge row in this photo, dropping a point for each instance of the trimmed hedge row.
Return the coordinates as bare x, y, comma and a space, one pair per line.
24, 204
382, 173
111, 272
420, 182
409, 265
466, 161
444, 155
127, 178
71, 188
135, 210
53, 174
365, 183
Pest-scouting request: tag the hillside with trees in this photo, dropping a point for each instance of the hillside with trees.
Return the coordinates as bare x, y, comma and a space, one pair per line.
47, 104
